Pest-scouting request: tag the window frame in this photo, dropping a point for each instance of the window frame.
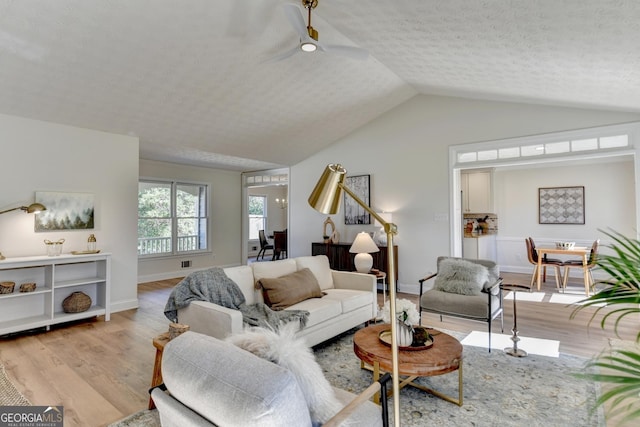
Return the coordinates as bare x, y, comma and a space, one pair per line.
174, 184
265, 215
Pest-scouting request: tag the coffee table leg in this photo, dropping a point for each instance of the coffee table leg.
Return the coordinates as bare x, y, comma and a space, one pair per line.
439, 394
376, 377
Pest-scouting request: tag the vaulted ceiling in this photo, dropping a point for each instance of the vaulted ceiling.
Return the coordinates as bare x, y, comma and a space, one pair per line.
195, 80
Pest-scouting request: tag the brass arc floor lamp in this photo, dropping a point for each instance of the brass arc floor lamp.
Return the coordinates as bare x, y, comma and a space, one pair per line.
32, 208
325, 198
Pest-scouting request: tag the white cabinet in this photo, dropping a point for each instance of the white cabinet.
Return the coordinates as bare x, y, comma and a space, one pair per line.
480, 247
56, 278
476, 192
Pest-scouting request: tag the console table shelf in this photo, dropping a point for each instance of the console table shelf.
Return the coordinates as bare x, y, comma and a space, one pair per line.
56, 278
341, 259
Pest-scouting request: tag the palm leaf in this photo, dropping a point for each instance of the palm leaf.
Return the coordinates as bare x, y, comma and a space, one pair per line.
622, 290
623, 367
619, 298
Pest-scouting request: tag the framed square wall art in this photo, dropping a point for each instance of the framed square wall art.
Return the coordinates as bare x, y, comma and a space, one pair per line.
354, 213
65, 211
561, 205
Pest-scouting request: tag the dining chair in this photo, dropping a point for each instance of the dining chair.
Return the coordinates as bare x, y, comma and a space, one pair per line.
279, 244
264, 244
532, 254
591, 263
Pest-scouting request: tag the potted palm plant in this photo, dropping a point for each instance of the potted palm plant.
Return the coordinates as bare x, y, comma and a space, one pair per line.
618, 299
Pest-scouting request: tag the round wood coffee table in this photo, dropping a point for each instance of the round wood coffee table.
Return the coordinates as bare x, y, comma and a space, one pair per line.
443, 357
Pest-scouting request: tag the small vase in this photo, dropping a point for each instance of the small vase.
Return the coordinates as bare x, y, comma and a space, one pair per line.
404, 334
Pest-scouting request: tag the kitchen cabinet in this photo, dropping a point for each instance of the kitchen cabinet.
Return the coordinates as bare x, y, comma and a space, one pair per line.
56, 278
476, 192
480, 246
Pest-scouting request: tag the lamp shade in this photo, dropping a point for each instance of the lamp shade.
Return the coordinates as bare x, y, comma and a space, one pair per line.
35, 208
363, 243
326, 195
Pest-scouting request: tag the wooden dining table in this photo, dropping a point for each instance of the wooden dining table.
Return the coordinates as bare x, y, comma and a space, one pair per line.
581, 251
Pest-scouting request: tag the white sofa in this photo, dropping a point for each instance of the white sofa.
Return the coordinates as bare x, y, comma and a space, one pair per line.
349, 300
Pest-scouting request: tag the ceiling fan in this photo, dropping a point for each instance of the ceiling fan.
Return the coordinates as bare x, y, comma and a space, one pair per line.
309, 36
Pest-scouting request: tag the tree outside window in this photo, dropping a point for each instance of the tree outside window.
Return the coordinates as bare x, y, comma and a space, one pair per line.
172, 218
257, 215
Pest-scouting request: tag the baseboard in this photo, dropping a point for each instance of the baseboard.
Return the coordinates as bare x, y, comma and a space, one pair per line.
408, 289
176, 273
124, 305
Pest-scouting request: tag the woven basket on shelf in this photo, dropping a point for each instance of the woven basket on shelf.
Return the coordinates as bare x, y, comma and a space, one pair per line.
77, 302
7, 287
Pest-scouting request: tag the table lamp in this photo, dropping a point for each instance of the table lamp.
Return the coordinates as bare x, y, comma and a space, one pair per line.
32, 208
325, 198
362, 246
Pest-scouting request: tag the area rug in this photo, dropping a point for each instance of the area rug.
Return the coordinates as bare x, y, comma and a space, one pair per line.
9, 395
146, 418
498, 390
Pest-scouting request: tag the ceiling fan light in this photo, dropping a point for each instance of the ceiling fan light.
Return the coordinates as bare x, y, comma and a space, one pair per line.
308, 47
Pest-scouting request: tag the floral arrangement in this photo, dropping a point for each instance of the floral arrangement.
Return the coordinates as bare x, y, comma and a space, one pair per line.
406, 312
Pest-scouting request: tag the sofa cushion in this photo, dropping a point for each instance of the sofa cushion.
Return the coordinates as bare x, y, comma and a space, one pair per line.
320, 309
350, 299
273, 269
460, 276
243, 277
285, 291
319, 266
220, 382
474, 306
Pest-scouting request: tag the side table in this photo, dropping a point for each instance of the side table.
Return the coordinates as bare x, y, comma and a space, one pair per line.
158, 342
515, 351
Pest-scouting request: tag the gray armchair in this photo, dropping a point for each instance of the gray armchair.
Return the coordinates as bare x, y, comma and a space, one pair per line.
466, 288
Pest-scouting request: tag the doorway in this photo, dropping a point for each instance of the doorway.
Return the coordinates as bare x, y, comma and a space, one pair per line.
265, 206
578, 147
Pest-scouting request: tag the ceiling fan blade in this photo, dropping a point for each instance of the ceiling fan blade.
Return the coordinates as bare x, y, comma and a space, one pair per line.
282, 55
294, 15
348, 51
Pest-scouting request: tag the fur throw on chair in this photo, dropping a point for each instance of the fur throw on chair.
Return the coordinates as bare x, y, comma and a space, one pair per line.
461, 277
287, 350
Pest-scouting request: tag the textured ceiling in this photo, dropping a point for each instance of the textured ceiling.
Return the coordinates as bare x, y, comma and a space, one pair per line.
192, 78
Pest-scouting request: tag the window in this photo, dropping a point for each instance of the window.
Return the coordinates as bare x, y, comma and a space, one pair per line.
172, 218
610, 139
257, 215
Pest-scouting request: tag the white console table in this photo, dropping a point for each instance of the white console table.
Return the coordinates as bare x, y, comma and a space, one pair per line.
56, 278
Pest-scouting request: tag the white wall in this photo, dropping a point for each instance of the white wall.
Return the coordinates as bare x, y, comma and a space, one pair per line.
610, 199
42, 156
406, 153
225, 219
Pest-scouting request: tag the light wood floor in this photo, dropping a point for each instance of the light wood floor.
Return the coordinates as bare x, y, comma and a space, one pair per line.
101, 371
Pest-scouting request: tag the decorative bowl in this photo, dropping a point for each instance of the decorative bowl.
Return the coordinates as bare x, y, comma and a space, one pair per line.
565, 245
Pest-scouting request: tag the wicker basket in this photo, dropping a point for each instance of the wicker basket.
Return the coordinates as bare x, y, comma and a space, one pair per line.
28, 287
7, 287
77, 302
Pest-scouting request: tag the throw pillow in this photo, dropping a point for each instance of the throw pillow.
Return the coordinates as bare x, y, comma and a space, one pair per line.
460, 277
292, 353
285, 291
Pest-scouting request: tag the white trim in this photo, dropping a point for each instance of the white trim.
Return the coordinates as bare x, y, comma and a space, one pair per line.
631, 129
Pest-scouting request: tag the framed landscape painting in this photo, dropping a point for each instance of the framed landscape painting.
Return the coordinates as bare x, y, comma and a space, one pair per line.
354, 213
561, 205
65, 211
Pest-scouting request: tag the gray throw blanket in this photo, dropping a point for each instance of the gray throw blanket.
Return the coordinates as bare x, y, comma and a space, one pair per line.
213, 285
